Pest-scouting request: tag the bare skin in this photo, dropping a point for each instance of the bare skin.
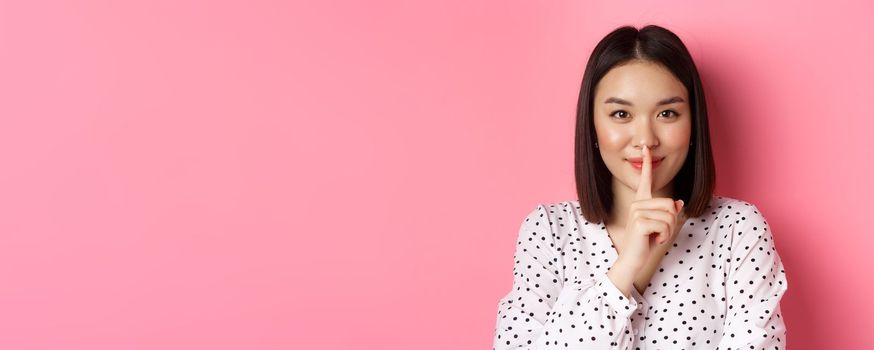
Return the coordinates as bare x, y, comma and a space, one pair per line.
651, 120
628, 272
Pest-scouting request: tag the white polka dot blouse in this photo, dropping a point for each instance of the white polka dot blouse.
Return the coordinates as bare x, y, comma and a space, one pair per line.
718, 287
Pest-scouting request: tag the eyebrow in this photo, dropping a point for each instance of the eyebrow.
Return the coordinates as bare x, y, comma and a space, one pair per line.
666, 101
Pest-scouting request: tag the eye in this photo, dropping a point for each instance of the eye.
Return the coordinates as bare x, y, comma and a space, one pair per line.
675, 114
619, 111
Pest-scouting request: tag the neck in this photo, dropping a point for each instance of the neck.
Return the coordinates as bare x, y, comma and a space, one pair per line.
623, 196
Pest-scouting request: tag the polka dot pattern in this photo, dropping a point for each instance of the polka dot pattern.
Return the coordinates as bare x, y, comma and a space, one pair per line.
718, 287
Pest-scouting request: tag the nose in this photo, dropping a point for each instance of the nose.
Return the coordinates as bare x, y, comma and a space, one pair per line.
644, 134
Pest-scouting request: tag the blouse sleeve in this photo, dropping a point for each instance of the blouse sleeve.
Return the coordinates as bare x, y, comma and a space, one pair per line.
545, 311
754, 286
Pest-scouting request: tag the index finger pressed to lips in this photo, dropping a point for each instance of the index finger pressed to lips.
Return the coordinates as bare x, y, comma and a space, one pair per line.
644, 188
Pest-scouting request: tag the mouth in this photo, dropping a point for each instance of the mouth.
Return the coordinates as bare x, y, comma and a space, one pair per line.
637, 163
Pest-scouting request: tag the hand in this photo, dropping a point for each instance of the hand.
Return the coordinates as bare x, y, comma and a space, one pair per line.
651, 221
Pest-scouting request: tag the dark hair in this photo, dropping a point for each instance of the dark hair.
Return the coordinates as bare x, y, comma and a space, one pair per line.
695, 181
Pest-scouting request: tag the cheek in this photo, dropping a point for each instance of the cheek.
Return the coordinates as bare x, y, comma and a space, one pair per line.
614, 139
611, 136
678, 136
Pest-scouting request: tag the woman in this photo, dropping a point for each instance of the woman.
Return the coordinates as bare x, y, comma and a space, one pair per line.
647, 257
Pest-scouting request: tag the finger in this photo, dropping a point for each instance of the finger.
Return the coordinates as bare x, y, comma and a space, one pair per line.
668, 234
661, 216
644, 187
667, 204
680, 220
656, 214
681, 210
658, 228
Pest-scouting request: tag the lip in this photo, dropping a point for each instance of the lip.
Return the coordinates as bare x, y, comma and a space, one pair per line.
637, 163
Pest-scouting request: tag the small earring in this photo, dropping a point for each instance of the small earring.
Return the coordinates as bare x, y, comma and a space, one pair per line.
596, 145
691, 144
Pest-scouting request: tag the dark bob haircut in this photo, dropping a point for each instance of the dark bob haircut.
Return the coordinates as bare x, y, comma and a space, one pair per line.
695, 181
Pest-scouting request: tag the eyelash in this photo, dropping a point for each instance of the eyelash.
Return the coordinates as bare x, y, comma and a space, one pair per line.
667, 110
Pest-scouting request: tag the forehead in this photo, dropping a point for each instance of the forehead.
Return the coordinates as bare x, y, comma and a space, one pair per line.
640, 81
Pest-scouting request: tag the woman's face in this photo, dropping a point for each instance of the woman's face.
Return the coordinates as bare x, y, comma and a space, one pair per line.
642, 103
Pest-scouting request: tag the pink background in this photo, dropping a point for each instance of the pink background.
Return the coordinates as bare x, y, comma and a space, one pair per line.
352, 175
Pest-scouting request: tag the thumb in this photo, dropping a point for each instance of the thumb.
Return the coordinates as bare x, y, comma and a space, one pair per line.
678, 205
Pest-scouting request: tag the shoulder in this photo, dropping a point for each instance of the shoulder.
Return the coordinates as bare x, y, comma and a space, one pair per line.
746, 222
536, 215
553, 211
562, 214
733, 208
536, 238
551, 217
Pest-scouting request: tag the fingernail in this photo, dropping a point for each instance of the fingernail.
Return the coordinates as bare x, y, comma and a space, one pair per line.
682, 203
